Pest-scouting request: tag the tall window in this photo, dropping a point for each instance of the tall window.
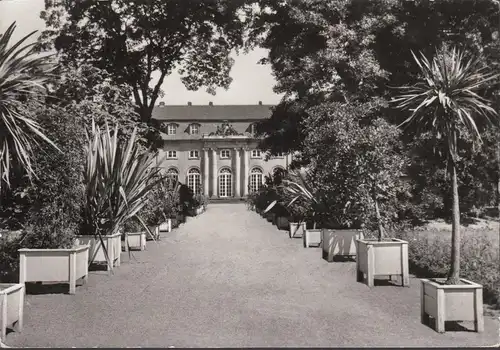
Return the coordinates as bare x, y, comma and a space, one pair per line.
255, 180
194, 180
171, 129
172, 176
194, 129
256, 153
225, 183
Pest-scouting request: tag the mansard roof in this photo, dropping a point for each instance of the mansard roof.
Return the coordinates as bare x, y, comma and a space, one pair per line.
212, 112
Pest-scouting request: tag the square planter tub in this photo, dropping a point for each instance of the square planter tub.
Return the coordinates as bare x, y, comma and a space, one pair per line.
339, 243
312, 237
386, 258
461, 302
54, 265
113, 244
296, 229
12, 302
166, 226
136, 241
155, 231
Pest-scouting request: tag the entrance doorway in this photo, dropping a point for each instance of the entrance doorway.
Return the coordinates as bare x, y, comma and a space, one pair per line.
225, 183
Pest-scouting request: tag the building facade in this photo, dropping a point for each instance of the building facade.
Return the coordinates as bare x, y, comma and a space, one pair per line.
213, 150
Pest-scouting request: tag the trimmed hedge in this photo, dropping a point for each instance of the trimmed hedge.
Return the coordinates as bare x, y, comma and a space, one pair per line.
429, 256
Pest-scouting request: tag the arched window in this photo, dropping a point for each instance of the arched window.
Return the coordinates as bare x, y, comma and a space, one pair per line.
172, 176
255, 180
194, 180
225, 183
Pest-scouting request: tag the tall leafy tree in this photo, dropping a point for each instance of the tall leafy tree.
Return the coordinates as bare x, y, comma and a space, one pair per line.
131, 40
23, 75
356, 50
447, 103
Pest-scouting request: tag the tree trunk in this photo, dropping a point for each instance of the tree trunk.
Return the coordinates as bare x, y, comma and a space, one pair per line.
454, 275
379, 221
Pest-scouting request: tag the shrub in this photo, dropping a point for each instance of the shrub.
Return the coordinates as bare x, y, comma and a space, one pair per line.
132, 225
429, 256
57, 196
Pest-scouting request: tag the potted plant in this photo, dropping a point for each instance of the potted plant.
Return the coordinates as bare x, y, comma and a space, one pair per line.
47, 248
379, 169
171, 206
156, 209
118, 178
134, 236
447, 103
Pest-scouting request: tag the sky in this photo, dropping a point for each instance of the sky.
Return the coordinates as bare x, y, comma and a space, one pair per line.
252, 82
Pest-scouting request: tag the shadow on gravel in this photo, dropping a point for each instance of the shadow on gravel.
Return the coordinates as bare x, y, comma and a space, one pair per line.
39, 288
338, 258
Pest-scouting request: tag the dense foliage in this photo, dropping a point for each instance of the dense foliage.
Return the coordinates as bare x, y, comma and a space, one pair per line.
133, 40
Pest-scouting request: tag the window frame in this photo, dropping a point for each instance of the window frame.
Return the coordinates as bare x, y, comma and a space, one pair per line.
174, 128
252, 155
194, 181
191, 127
222, 151
254, 185
174, 156
197, 156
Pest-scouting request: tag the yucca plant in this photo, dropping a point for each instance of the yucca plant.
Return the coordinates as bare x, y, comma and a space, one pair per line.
446, 102
23, 74
297, 190
118, 179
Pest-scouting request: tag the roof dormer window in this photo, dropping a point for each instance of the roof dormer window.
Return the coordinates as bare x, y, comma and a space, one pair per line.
194, 129
171, 129
253, 129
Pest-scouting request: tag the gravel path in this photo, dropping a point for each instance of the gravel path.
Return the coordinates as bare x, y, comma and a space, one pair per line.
228, 278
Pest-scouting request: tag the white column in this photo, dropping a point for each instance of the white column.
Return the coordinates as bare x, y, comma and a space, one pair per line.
214, 172
206, 170
245, 172
237, 173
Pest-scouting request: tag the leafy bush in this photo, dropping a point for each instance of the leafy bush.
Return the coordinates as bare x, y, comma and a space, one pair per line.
57, 195
132, 225
48, 209
201, 200
429, 256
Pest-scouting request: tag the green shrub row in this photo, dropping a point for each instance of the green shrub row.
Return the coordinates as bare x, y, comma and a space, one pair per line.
429, 256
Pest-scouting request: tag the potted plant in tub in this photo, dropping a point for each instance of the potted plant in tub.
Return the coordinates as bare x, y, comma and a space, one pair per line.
134, 235
447, 103
171, 206
48, 251
118, 178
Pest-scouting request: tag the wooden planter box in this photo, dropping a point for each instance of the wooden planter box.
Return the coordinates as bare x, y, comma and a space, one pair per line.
113, 244
386, 258
54, 265
155, 231
312, 237
136, 241
282, 222
339, 243
462, 302
12, 306
166, 226
296, 230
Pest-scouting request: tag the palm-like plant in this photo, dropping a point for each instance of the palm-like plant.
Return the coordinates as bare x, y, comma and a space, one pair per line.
22, 75
297, 190
445, 102
118, 179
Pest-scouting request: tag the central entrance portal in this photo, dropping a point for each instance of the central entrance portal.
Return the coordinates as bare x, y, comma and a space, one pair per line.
225, 183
